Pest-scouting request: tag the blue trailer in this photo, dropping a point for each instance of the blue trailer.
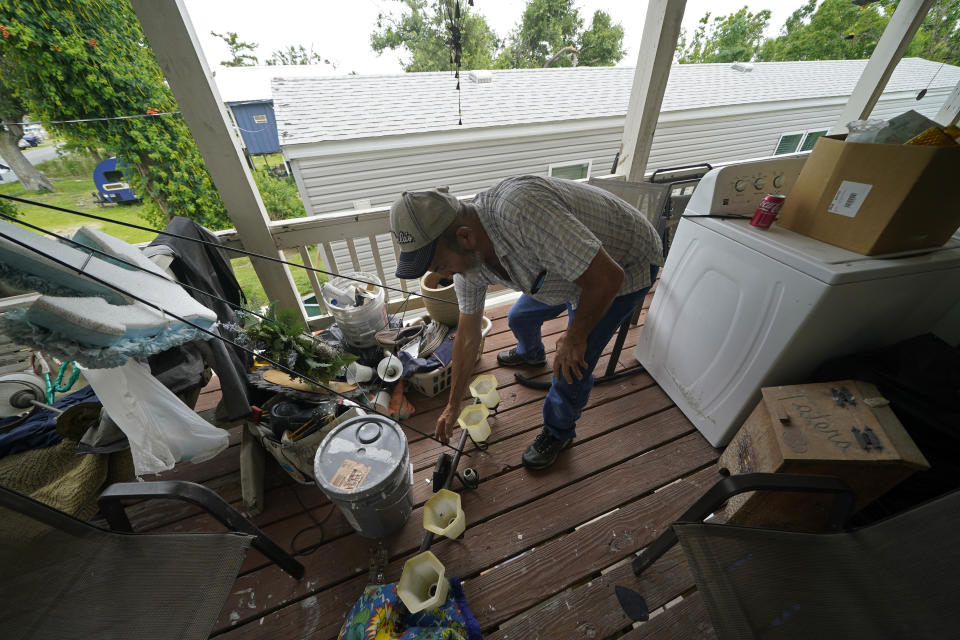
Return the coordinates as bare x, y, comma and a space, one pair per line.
110, 178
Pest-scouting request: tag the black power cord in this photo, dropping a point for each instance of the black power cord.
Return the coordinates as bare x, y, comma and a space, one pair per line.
317, 524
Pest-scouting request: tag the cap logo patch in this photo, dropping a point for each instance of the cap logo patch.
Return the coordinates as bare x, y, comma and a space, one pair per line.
404, 237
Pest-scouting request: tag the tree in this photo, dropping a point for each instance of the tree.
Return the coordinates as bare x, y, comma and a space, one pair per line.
550, 33
602, 44
423, 29
832, 30
732, 38
241, 53
547, 27
939, 35
12, 113
297, 55
82, 59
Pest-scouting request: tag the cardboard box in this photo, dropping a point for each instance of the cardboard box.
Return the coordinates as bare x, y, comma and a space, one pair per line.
805, 429
875, 198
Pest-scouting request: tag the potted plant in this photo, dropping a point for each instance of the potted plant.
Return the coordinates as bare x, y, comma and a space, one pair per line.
281, 336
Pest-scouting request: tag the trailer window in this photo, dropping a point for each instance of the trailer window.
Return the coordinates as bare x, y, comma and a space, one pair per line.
571, 171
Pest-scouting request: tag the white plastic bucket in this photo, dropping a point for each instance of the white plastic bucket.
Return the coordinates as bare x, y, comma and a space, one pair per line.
358, 324
363, 466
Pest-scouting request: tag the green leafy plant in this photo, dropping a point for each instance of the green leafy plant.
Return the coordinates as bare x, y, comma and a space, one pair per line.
9, 208
280, 196
282, 338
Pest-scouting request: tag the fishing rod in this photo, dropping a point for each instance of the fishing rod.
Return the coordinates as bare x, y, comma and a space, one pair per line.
217, 245
281, 367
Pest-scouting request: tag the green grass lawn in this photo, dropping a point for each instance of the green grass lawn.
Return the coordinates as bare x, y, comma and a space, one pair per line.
247, 277
74, 193
77, 195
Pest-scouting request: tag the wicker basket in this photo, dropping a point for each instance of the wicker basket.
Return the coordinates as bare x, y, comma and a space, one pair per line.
433, 382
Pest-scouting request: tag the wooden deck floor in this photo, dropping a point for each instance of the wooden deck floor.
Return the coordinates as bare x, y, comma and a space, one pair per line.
542, 551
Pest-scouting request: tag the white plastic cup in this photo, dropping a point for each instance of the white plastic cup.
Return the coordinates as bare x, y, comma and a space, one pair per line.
357, 373
390, 369
382, 402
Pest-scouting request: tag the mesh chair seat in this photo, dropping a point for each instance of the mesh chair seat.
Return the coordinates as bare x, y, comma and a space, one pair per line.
892, 579
65, 578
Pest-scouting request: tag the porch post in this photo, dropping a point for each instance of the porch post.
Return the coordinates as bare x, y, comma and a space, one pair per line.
661, 29
951, 108
896, 37
168, 28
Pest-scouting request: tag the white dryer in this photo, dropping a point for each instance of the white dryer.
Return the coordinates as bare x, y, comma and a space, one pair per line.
739, 308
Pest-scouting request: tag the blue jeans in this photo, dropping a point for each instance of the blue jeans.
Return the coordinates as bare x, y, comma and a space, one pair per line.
564, 402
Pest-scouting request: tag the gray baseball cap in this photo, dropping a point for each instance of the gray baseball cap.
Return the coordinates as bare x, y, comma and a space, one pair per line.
417, 218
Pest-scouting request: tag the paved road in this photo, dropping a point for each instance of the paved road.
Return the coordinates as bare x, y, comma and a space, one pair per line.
34, 156
40, 154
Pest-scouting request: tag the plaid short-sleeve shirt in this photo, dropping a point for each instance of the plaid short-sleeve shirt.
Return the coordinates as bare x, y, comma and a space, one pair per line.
556, 227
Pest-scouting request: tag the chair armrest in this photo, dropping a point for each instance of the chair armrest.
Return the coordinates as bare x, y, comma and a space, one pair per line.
730, 486
111, 504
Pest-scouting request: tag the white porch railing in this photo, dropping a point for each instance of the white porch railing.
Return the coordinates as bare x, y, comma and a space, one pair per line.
347, 241
360, 240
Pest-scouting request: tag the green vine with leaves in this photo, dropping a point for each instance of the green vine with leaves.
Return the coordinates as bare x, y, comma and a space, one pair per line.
282, 337
76, 59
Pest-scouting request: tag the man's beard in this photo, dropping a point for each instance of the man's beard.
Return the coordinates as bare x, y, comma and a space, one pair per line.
475, 264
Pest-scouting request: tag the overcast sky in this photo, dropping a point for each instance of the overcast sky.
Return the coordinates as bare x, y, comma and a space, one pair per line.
340, 30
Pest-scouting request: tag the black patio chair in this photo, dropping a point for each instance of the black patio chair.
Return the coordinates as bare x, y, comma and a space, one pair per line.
66, 578
891, 579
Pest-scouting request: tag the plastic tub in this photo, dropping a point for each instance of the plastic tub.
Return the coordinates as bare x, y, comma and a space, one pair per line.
358, 324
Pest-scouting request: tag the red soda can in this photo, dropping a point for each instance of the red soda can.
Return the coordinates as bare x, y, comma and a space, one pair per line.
767, 211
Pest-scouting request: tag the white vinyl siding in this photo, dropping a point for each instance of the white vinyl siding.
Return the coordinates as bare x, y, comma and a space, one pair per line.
333, 183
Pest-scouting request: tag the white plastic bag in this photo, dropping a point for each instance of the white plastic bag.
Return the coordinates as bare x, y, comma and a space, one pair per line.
161, 429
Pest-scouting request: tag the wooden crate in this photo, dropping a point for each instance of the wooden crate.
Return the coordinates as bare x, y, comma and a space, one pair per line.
844, 429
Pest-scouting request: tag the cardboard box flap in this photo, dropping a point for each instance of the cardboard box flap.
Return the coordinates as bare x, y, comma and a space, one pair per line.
835, 420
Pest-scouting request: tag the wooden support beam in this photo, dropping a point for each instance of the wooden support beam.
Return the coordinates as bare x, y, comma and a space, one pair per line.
951, 108
896, 37
661, 29
174, 42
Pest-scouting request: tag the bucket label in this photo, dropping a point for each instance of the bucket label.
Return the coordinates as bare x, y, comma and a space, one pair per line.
350, 475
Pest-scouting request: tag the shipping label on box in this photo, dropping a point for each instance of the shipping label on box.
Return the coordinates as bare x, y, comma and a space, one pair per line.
849, 197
